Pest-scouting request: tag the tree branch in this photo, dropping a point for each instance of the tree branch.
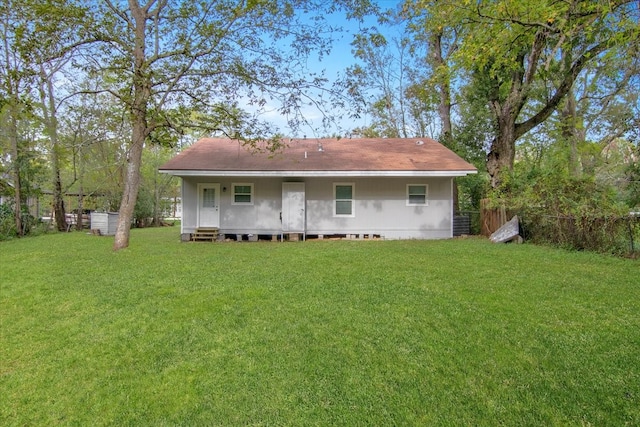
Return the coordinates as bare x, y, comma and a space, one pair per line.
121, 14
561, 91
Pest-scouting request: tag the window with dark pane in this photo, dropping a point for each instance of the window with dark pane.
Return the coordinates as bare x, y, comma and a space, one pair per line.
417, 194
344, 200
242, 193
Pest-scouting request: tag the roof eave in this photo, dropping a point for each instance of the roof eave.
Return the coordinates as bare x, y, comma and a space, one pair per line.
301, 174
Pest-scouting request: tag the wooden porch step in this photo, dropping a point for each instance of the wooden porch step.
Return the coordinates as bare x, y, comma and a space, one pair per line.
200, 236
209, 234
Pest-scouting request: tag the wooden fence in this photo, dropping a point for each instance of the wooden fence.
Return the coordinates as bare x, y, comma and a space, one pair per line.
491, 219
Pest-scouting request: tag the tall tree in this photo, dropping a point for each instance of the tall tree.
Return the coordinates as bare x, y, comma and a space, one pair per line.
511, 45
382, 80
411, 79
44, 45
437, 43
49, 111
209, 55
43, 34
13, 72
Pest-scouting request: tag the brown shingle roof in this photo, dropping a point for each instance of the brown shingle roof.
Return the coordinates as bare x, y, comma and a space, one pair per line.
368, 155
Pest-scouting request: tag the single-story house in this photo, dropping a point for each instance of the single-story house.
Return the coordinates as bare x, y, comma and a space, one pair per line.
393, 188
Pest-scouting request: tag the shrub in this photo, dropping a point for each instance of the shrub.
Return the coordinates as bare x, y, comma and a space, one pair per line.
30, 224
7, 222
143, 211
575, 213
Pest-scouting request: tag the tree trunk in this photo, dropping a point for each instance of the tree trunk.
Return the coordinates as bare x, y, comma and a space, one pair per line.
17, 183
12, 91
156, 199
58, 200
51, 127
140, 129
569, 131
502, 151
80, 218
438, 65
79, 222
130, 194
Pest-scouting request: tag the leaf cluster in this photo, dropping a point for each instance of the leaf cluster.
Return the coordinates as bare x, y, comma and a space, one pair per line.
227, 59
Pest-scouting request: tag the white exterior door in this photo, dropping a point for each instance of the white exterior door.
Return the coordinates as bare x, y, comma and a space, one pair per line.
293, 207
208, 205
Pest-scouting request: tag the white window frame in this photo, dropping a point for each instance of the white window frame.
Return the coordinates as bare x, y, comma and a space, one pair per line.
233, 193
352, 200
426, 195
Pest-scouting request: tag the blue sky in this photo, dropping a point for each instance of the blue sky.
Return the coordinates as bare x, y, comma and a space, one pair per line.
334, 65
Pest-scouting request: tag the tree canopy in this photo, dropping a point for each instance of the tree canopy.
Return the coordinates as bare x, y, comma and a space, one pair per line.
92, 85
162, 61
525, 57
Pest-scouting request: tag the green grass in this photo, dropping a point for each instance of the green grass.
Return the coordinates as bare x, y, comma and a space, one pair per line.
458, 332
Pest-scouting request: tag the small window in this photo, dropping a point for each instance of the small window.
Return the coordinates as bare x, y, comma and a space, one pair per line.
242, 194
343, 204
417, 195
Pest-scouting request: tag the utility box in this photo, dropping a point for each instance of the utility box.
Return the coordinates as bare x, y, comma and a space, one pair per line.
106, 222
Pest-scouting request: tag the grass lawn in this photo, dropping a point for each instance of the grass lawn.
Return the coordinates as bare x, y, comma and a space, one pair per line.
456, 332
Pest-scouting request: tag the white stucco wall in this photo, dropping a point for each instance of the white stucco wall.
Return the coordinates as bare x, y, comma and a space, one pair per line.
380, 207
